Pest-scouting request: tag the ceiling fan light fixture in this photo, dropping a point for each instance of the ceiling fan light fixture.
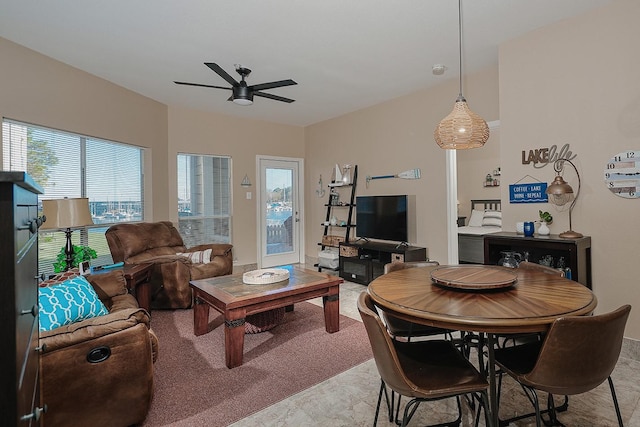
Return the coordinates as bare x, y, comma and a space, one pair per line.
462, 129
242, 95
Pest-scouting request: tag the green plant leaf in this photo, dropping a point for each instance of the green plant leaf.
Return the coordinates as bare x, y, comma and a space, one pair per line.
80, 254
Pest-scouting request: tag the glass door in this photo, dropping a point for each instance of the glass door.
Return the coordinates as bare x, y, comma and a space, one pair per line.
279, 206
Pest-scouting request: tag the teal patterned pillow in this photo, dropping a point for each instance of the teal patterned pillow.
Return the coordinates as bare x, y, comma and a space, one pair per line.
68, 302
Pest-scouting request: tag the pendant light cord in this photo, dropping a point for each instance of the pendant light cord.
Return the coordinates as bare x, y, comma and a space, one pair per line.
460, 45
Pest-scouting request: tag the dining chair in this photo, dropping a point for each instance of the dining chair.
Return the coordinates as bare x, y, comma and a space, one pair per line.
515, 339
422, 370
528, 265
577, 355
402, 328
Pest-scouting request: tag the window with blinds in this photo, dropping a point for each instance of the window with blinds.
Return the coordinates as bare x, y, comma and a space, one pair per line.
204, 199
65, 164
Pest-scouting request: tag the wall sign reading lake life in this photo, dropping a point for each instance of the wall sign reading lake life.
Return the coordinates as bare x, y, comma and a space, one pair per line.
536, 192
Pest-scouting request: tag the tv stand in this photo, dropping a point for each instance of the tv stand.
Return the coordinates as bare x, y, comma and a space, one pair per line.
363, 261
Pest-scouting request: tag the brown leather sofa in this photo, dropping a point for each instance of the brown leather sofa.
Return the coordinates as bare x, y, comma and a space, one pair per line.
158, 243
78, 387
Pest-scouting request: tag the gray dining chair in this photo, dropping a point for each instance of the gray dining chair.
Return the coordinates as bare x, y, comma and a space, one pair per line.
577, 354
422, 370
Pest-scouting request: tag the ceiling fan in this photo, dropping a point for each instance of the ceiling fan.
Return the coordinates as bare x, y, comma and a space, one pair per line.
242, 94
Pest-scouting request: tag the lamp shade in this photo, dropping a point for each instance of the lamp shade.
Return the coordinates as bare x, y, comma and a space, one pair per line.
461, 129
66, 213
560, 191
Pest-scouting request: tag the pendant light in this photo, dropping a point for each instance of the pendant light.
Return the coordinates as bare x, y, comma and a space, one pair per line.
462, 128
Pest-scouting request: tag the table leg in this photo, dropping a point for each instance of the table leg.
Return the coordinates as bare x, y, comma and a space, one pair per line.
143, 295
493, 392
234, 338
200, 316
331, 305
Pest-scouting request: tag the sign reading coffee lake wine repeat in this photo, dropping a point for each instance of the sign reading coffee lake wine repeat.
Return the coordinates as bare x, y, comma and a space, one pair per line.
535, 192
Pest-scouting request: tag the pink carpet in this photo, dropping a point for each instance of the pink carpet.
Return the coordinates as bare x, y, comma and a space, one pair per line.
194, 387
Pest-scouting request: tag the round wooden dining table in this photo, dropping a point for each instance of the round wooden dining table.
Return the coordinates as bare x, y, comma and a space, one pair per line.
530, 303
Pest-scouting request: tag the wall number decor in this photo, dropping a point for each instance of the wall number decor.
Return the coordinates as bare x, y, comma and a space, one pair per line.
622, 174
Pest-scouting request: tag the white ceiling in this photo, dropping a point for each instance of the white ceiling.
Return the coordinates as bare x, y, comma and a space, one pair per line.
344, 55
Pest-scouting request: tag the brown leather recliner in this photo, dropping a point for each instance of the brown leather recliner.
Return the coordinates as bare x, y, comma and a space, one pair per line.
158, 243
78, 387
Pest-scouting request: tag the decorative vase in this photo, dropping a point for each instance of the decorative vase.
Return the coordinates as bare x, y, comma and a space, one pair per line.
544, 229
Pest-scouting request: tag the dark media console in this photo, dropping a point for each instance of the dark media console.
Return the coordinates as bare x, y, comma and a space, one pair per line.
367, 259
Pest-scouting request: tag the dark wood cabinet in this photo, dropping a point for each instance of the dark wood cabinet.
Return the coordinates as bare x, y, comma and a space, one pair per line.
576, 253
367, 259
19, 359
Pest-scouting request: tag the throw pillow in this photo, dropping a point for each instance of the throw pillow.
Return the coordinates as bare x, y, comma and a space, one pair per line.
476, 218
68, 302
198, 257
492, 219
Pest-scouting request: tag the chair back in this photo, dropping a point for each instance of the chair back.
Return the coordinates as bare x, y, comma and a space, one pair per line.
132, 242
394, 266
579, 352
384, 353
526, 265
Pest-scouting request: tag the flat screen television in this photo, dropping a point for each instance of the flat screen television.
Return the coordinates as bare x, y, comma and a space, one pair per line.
382, 218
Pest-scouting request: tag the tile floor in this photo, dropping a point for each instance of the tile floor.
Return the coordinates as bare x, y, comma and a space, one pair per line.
349, 399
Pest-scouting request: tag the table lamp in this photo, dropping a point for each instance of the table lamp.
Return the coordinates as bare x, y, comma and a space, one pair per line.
65, 214
560, 193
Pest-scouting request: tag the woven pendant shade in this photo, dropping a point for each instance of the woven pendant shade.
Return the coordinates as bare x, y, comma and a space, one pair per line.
461, 129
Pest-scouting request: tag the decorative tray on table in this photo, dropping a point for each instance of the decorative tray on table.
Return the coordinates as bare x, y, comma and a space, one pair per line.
474, 277
265, 276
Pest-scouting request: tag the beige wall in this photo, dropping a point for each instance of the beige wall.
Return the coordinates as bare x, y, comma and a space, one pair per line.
473, 167
577, 82
36, 89
39, 90
390, 138
197, 132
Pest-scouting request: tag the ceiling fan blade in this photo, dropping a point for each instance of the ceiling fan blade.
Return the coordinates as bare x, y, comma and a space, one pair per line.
271, 85
270, 96
201, 85
222, 73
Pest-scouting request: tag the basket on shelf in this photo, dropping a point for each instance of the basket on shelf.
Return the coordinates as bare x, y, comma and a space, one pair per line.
330, 240
348, 251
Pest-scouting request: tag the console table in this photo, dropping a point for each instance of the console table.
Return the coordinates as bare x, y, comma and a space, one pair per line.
367, 259
576, 252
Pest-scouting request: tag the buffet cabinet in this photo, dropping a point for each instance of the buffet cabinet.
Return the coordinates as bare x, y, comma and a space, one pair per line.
19, 359
574, 253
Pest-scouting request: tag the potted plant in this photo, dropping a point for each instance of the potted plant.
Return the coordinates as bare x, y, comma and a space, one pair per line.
545, 220
80, 254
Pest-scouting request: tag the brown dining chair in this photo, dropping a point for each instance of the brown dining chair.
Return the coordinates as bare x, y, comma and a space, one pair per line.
422, 370
402, 328
514, 339
527, 265
577, 355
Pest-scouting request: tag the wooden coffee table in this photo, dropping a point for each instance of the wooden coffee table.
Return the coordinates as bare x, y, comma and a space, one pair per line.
236, 300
